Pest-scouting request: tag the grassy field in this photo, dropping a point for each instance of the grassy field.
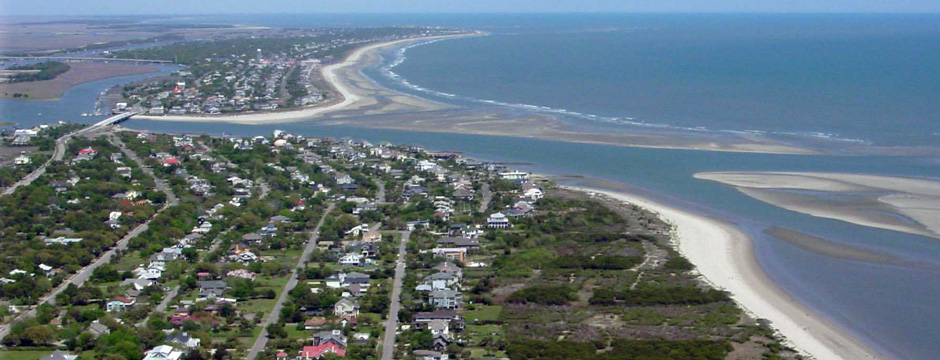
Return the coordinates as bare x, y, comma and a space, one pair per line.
483, 313
23, 355
79, 73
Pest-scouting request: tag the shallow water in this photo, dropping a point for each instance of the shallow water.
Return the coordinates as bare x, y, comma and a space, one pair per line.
888, 307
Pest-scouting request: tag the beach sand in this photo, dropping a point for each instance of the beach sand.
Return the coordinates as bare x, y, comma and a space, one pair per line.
358, 93
366, 104
725, 258
888, 202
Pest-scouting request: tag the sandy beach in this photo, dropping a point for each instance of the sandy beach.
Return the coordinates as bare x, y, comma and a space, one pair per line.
896, 203
358, 93
725, 258
366, 104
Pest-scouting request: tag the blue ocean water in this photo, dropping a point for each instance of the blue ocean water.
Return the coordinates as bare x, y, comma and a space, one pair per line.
870, 77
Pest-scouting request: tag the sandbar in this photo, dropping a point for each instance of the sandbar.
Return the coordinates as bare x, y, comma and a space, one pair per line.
909, 205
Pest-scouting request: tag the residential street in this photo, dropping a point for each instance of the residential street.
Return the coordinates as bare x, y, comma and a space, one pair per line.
391, 324
275, 314
84, 274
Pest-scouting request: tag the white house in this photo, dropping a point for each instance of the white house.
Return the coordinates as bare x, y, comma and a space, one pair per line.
119, 304
164, 352
497, 221
351, 259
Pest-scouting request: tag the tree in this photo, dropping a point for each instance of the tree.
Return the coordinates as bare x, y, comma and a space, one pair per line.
39, 334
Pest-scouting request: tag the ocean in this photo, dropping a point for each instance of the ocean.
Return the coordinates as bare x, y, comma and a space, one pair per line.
835, 79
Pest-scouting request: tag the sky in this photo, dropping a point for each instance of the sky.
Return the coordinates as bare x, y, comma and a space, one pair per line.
173, 7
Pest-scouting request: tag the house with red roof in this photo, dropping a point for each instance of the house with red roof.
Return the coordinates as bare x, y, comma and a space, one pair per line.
170, 161
119, 303
315, 352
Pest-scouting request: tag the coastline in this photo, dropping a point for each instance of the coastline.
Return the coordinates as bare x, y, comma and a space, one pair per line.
368, 104
341, 76
724, 256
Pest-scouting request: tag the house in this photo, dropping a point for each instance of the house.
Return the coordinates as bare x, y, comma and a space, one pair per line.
242, 273
532, 191
279, 219
438, 281
124, 171
119, 303
97, 329
21, 160
314, 323
62, 240
164, 352
343, 179
450, 268
332, 336
252, 238
513, 175
445, 299
88, 152
372, 237
497, 221
46, 269
422, 319
59, 355
352, 259
139, 284
211, 288
346, 307
184, 339
247, 257
459, 242
268, 230
451, 254
315, 352
342, 280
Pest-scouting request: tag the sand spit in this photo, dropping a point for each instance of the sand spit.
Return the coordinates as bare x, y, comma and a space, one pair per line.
366, 104
902, 204
725, 258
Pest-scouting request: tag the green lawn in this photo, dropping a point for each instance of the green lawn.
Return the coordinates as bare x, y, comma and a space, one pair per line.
23, 355
483, 313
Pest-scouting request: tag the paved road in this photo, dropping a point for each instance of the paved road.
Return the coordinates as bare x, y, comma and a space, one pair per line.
56, 156
275, 314
84, 274
391, 325
487, 196
162, 305
172, 200
380, 199
60, 151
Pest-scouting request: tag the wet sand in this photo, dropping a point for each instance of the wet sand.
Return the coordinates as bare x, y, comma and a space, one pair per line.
366, 104
725, 258
902, 204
